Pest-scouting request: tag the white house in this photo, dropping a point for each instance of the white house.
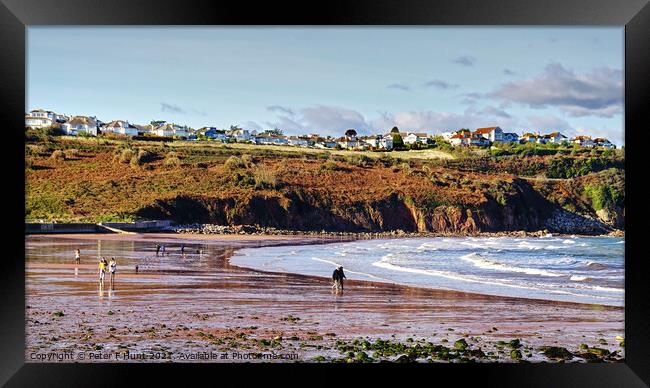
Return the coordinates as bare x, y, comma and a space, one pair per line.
555, 137
602, 142
478, 140
78, 124
171, 130
324, 143
447, 135
583, 141
413, 138
510, 137
349, 142
244, 135
37, 122
529, 138
266, 138
120, 127
493, 134
42, 113
298, 141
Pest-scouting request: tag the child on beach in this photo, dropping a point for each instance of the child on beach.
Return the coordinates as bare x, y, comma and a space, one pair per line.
162, 249
157, 249
112, 266
77, 256
102, 270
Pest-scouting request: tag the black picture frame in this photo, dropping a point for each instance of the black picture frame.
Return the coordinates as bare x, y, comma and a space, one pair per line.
17, 15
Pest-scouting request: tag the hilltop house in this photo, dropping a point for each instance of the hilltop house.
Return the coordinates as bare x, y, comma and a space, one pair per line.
78, 124
493, 134
299, 141
602, 142
213, 133
37, 122
583, 141
40, 118
349, 142
447, 135
529, 138
478, 140
53, 116
242, 135
378, 141
169, 130
555, 137
510, 137
144, 129
120, 127
267, 138
327, 142
413, 138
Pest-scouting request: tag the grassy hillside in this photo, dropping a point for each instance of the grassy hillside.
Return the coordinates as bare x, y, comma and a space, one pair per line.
99, 180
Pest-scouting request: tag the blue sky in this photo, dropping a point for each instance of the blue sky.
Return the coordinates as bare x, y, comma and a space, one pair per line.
326, 80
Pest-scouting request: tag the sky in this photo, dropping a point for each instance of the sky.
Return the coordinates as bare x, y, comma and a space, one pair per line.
328, 79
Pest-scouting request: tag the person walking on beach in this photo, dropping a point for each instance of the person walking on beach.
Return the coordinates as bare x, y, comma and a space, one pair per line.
157, 249
77, 256
112, 266
183, 249
162, 249
102, 270
337, 277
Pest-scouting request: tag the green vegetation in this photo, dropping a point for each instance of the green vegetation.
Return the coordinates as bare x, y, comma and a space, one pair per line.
569, 167
605, 196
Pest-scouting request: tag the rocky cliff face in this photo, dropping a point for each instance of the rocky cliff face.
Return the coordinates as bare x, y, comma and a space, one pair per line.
522, 209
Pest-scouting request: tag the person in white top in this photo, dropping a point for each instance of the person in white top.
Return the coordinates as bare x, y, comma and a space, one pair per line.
112, 267
77, 256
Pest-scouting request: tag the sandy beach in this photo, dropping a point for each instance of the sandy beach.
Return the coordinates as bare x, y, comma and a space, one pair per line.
198, 307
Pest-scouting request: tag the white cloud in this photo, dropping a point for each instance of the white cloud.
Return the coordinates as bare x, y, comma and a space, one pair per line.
598, 93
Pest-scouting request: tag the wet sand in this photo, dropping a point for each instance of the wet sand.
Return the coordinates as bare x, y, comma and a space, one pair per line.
198, 307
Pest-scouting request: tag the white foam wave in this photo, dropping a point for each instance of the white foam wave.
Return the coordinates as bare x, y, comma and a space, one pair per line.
480, 262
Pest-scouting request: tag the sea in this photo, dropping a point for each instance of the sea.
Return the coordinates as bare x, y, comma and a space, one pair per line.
556, 268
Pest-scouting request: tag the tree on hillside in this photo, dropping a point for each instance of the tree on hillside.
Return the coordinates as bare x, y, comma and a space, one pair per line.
350, 133
394, 130
235, 127
398, 142
158, 123
275, 131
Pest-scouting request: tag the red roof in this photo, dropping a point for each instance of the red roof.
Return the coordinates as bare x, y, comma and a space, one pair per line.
485, 130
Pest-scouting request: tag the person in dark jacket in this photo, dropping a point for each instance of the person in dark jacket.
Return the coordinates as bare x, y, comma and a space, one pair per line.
338, 277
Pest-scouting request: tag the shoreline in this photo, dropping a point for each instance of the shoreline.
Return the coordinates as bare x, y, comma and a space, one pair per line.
288, 240
253, 230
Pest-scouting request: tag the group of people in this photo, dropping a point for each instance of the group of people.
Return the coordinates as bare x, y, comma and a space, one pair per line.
160, 249
111, 266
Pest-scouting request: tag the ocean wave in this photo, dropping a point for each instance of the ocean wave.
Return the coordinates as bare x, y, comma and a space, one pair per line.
596, 266
568, 242
480, 262
578, 278
471, 279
